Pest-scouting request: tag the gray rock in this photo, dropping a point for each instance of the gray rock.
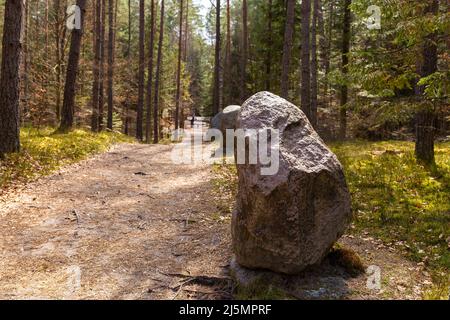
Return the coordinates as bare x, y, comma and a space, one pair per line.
288, 221
227, 119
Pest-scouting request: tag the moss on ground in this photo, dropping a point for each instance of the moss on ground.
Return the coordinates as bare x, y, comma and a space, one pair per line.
44, 151
394, 199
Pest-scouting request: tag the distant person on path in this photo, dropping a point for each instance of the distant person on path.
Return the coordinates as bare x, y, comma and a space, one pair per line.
193, 121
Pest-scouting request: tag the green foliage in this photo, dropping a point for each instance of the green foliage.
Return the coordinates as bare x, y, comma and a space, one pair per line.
400, 201
43, 152
260, 289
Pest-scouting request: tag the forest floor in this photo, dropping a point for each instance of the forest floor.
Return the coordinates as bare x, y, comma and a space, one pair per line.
131, 224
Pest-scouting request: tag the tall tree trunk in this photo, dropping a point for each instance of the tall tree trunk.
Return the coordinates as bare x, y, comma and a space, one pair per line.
269, 46
178, 94
101, 103
186, 33
151, 49
425, 117
227, 73
158, 76
314, 67
128, 55
287, 48
111, 47
141, 75
96, 67
305, 60
244, 50
328, 51
68, 107
344, 88
9, 77
59, 59
216, 93
25, 61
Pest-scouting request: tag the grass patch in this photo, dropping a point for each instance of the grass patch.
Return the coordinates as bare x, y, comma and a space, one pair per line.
394, 199
401, 202
44, 151
260, 289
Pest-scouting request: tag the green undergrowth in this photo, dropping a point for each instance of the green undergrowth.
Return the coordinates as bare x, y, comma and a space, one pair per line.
44, 151
394, 199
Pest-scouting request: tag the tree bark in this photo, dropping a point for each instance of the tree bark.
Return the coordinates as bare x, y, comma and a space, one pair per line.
101, 103
425, 117
269, 46
151, 48
178, 93
141, 74
216, 93
9, 77
287, 48
345, 59
314, 67
68, 107
111, 47
158, 76
305, 60
227, 73
244, 50
96, 68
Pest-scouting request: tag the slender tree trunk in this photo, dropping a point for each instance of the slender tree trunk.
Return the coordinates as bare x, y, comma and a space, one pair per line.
178, 94
227, 73
151, 49
9, 76
305, 61
96, 67
58, 68
101, 103
328, 51
71, 72
244, 50
426, 118
25, 61
268, 61
344, 88
158, 76
216, 93
186, 33
314, 67
111, 47
141, 75
287, 48
128, 54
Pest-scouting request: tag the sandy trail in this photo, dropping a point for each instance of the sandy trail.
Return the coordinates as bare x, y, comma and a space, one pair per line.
131, 224
127, 224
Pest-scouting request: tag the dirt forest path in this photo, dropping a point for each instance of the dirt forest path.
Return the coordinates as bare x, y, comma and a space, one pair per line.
126, 224
131, 224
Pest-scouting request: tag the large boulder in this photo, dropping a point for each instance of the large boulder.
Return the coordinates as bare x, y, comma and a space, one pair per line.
227, 119
288, 221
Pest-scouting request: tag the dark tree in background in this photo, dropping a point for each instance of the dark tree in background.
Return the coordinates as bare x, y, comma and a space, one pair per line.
68, 107
287, 48
151, 49
216, 90
9, 81
96, 67
425, 117
305, 60
244, 51
111, 47
158, 76
141, 75
180, 44
344, 87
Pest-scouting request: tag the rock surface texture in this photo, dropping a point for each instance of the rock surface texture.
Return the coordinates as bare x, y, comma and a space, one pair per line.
288, 221
227, 119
